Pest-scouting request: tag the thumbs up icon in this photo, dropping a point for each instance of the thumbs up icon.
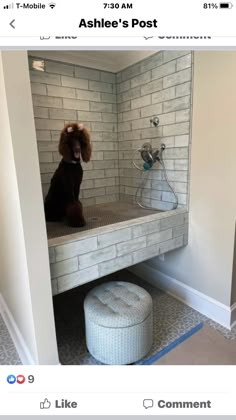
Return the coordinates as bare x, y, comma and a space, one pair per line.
45, 405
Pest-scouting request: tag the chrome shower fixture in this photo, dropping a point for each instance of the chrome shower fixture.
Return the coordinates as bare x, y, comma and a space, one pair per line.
150, 156
155, 121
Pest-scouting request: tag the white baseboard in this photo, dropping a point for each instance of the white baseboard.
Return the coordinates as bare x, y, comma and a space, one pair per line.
218, 312
15, 334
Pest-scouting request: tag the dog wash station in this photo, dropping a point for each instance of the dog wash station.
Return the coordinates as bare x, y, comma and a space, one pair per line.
134, 209
90, 253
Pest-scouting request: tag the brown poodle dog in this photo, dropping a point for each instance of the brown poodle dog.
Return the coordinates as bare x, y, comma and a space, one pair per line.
62, 200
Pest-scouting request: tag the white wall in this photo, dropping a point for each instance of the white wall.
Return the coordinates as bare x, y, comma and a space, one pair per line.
14, 279
206, 263
25, 277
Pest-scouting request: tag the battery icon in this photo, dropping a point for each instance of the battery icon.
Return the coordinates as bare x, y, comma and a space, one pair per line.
226, 5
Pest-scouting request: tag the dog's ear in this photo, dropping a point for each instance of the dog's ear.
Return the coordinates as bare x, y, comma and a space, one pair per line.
86, 148
63, 147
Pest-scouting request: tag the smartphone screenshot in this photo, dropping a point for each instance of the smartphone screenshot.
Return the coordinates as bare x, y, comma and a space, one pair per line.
117, 209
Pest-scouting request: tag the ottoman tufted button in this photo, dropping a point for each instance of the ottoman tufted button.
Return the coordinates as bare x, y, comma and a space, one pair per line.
118, 321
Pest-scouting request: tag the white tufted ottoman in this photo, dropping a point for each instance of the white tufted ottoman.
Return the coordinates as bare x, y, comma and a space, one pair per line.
118, 322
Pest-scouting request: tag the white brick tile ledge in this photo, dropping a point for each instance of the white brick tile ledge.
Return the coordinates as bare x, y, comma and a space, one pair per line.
83, 257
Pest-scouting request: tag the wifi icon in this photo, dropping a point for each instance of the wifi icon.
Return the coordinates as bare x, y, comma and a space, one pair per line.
52, 5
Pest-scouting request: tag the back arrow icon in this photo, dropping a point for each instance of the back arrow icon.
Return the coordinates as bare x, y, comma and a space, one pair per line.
11, 23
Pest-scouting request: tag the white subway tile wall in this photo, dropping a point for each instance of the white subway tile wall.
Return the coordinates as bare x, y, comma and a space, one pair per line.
116, 109
158, 86
67, 93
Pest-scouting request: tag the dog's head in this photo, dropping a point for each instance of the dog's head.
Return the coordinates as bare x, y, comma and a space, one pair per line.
75, 143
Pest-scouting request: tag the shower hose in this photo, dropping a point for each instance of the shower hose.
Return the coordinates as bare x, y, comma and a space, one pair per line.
139, 191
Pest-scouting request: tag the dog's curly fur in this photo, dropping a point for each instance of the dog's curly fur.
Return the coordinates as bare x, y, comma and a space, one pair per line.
62, 200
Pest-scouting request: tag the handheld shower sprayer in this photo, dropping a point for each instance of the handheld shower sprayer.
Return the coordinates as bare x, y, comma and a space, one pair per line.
150, 156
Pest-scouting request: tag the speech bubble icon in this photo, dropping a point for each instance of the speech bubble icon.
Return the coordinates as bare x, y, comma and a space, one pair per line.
148, 403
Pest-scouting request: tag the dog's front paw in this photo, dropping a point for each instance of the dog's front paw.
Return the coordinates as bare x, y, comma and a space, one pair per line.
74, 214
81, 224
77, 223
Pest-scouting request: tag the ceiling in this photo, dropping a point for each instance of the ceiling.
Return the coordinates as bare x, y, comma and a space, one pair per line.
113, 61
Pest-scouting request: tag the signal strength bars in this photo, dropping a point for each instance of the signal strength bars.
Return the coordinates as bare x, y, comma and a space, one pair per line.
9, 6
